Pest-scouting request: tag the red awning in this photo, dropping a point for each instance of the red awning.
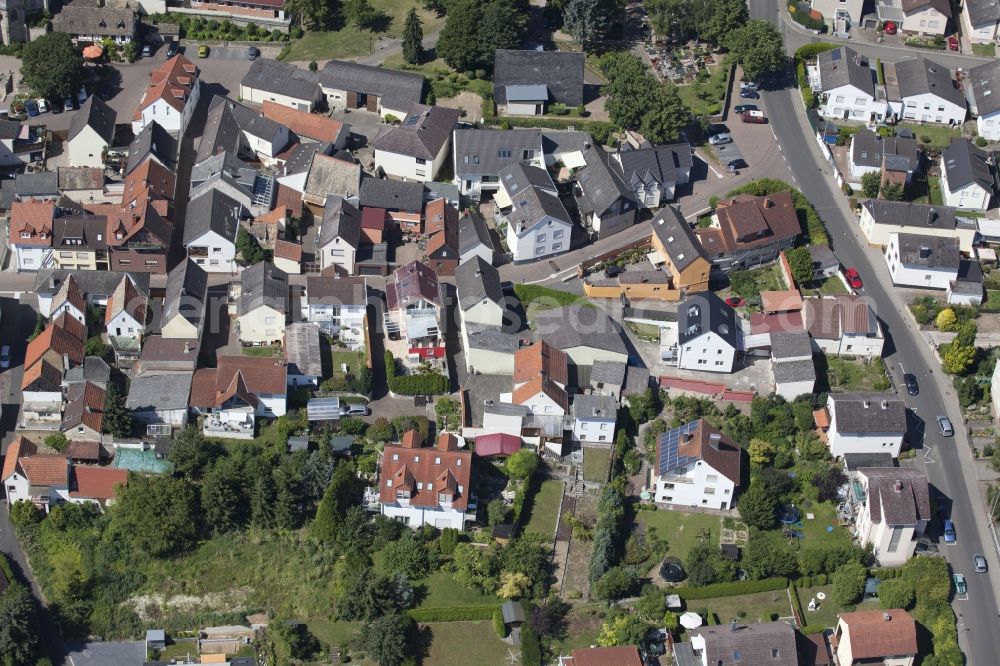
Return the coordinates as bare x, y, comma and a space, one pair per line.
428, 352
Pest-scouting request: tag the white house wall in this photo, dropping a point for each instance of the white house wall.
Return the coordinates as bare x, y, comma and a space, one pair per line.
221, 257
414, 516
697, 485
928, 108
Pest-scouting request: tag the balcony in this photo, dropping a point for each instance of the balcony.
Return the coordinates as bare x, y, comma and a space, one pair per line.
229, 427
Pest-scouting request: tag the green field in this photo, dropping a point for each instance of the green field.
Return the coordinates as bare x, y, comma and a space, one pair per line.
595, 464
842, 374
680, 529
350, 42
545, 509
826, 613
262, 351
705, 99
992, 302
353, 360
463, 643
824, 516
442, 590
762, 607
940, 137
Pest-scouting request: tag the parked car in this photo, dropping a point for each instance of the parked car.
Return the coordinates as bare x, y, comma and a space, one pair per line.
613, 270
755, 117
147, 50
853, 278
203, 51
5, 356
749, 93
43, 105
740, 109
952, 43
959, 580
911, 384
949, 532
979, 562
890, 28
945, 427
31, 108
81, 96
720, 139
735, 302
172, 49
252, 53
735, 165
748, 85
69, 104
354, 409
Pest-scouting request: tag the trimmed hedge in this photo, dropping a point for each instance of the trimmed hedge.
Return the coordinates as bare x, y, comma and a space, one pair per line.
5, 568
600, 130
731, 589
431, 383
453, 614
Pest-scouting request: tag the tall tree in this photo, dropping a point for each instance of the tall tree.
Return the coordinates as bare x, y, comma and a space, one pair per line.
339, 495
666, 114
117, 418
588, 22
158, 514
360, 13
628, 90
724, 17
801, 262
18, 626
758, 47
223, 502
474, 31
413, 37
191, 453
51, 66
385, 639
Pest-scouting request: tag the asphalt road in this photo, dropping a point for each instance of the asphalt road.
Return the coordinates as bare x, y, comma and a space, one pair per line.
948, 461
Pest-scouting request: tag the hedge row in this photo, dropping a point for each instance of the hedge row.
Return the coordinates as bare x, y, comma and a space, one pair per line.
600, 130
5, 568
453, 614
423, 384
731, 589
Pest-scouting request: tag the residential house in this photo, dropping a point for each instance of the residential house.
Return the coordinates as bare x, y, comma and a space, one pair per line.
586, 334
302, 353
756, 643
47, 480
159, 399
330, 175
402, 202
924, 17
749, 231
139, 235
91, 132
489, 349
606, 202
594, 418
31, 234
288, 256
339, 235
307, 125
654, 172
529, 82
21, 143
696, 465
94, 369
427, 485
212, 224
153, 142
236, 392
930, 262
480, 155
69, 298
125, 320
980, 19
79, 242
541, 373
37, 186
892, 509
537, 223
880, 218
83, 185
874, 636
442, 246
843, 326
621, 655
83, 412
185, 303
338, 305
236, 128
150, 178
608, 378
979, 84
171, 97
866, 423
373, 224
968, 176
927, 90
416, 148
679, 249
825, 262
481, 310
263, 304
708, 334
92, 23
414, 306
896, 158
792, 364
270, 80
96, 286
384, 91
228, 173
474, 238
847, 84
967, 287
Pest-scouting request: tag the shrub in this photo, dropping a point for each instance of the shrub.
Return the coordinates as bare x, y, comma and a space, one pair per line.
498, 624
946, 320
431, 383
313, 66
617, 583
731, 589
981, 142
896, 593
452, 613
849, 583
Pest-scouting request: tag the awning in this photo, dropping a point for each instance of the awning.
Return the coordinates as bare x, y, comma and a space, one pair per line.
501, 199
93, 51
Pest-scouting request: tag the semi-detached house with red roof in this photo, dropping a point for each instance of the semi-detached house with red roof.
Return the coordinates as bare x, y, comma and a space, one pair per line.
875, 637
31, 234
170, 98
238, 390
427, 485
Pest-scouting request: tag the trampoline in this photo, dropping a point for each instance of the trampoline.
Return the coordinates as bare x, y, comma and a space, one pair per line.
789, 514
672, 571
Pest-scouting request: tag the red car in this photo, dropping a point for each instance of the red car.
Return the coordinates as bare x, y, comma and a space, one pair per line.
890, 28
952, 43
734, 301
853, 278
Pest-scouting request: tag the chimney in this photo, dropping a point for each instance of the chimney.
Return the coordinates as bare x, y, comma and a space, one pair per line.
65, 362
933, 216
732, 625
187, 347
885, 404
868, 404
714, 439
925, 251
886, 616
898, 486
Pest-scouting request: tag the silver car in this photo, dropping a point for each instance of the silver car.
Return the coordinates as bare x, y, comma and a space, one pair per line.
980, 563
720, 139
944, 425
5, 356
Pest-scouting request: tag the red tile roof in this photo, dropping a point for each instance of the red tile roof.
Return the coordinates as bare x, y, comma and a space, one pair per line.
210, 387
48, 374
126, 297
621, 655
412, 282
541, 358
303, 123
152, 176
411, 439
45, 469
426, 473
497, 444
34, 219
540, 384
172, 82
290, 199
56, 339
20, 447
90, 451
773, 323
873, 636
97, 482
71, 325
789, 300
748, 222
373, 218
287, 250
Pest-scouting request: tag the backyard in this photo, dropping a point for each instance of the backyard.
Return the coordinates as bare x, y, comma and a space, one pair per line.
839, 374
704, 97
831, 286
940, 137
595, 464
681, 530
261, 351
462, 643
826, 611
544, 509
535, 298
749, 284
762, 606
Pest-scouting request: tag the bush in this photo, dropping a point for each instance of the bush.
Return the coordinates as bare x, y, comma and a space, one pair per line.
431, 383
896, 593
313, 66
849, 583
498, 624
731, 589
617, 583
452, 614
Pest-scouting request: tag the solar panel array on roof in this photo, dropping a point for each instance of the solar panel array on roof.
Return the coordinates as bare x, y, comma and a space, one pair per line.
670, 457
323, 409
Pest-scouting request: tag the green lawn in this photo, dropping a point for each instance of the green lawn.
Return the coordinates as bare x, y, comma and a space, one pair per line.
350, 42
442, 590
984, 50
179, 648
463, 643
706, 98
681, 529
595, 464
826, 613
544, 298
647, 332
940, 137
934, 191
762, 606
815, 530
353, 360
842, 374
262, 351
992, 302
544, 509
749, 284
831, 286
333, 633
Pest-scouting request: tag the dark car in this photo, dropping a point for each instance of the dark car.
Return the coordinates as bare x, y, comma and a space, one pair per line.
740, 109
736, 165
949, 532
172, 49
749, 93
252, 53
613, 270
911, 384
147, 50
31, 108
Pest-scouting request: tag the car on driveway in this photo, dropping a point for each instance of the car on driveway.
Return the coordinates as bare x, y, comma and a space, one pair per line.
979, 562
202, 51
959, 580
5, 356
754, 117
949, 532
736, 165
252, 53
720, 139
911, 384
945, 427
749, 93
735, 301
740, 109
172, 50
43, 105
748, 85
147, 50
31, 108
853, 278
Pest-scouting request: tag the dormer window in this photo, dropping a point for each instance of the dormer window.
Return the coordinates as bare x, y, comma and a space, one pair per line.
402, 494
458, 463
420, 485
416, 459
388, 483
25, 234
430, 485
437, 460
444, 498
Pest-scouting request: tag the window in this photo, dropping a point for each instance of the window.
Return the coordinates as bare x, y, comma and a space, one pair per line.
775, 653
702, 361
270, 320
528, 155
840, 98
540, 238
558, 233
539, 250
860, 100
421, 160
556, 247
504, 154
709, 491
712, 478
420, 173
720, 362
897, 535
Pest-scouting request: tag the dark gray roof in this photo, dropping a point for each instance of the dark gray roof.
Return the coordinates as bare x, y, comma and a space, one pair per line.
212, 211
561, 72
928, 251
447, 191
856, 461
159, 392
564, 141
531, 206
224, 127
422, 133
11, 129
823, 257
970, 271
756, 644
920, 76
283, 79
903, 214
484, 152
965, 163
844, 66
492, 338
263, 284
95, 284
790, 344
869, 412
94, 369
517, 177
340, 218
38, 184
476, 280
591, 405
80, 231
187, 286
985, 82
982, 12
302, 349
152, 140
391, 195
512, 611
472, 232
706, 312
608, 372
79, 19
897, 495
97, 115
599, 182
302, 155
795, 371
659, 164
867, 149
336, 290
579, 326
395, 89
676, 237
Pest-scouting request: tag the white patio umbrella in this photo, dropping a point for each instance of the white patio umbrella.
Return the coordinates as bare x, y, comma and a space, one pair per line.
690, 620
